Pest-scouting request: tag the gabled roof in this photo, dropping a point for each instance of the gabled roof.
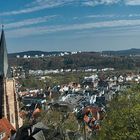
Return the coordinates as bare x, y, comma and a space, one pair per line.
6, 127
39, 135
1, 129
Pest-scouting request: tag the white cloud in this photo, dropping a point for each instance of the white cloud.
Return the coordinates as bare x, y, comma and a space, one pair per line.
75, 27
109, 2
37, 6
100, 16
99, 2
132, 2
28, 22
113, 16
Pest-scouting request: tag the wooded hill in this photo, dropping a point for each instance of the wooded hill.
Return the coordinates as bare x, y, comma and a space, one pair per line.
77, 61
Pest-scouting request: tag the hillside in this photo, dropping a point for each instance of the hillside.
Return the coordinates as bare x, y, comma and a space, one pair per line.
33, 53
129, 52
75, 61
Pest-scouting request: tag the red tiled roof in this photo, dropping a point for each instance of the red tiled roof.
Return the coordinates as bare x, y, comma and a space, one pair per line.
1, 129
92, 109
6, 127
36, 112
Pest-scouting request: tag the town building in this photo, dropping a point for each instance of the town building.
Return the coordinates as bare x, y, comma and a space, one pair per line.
9, 107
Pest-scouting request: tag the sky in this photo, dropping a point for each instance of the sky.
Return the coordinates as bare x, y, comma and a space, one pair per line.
70, 25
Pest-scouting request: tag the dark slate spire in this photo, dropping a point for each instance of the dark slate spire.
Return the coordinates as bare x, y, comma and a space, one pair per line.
3, 55
3, 70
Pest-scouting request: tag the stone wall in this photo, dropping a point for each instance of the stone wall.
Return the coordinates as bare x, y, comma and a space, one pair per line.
11, 106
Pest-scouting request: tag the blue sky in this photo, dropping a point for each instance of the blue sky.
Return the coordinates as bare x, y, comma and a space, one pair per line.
71, 25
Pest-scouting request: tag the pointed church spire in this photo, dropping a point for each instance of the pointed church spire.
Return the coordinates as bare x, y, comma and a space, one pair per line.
3, 70
2, 26
3, 55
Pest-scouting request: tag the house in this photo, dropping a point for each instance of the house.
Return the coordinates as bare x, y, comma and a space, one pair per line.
5, 129
2, 133
37, 131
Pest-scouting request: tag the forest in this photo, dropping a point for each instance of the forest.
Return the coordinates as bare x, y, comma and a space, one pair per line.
77, 61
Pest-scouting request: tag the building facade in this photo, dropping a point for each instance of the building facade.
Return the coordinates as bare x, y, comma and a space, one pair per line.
9, 107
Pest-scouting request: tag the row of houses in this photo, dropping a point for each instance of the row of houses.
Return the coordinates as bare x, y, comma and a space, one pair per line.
50, 55
41, 72
87, 100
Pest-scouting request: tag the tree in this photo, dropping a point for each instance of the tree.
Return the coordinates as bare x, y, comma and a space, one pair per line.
122, 121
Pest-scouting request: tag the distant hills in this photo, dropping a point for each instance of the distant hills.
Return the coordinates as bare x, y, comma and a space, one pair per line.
128, 52
76, 60
33, 53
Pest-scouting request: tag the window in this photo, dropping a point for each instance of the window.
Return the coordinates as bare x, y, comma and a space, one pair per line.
12, 118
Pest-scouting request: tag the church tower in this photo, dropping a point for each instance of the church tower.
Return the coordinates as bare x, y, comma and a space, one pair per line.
3, 72
9, 107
